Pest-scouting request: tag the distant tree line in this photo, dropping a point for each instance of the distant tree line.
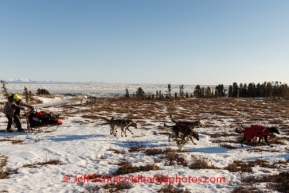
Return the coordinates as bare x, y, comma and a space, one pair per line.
141, 95
266, 89
42, 91
209, 92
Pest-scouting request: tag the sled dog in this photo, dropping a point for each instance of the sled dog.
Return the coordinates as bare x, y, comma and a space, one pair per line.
182, 132
124, 124
190, 124
257, 131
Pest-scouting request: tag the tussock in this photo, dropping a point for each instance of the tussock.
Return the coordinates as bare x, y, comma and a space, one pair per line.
117, 187
201, 163
5, 173
127, 168
13, 139
49, 162
168, 188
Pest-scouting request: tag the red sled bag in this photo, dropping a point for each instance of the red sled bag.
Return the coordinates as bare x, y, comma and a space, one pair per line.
41, 119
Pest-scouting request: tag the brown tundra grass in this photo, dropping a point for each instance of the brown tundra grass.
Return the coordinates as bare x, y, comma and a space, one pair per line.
126, 168
246, 189
246, 166
49, 162
3, 162
187, 109
116, 150
117, 187
168, 188
5, 173
279, 182
201, 163
12, 139
173, 157
227, 146
92, 188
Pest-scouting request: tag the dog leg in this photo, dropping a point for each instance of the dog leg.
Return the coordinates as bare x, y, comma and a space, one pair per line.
122, 131
192, 140
177, 134
259, 140
129, 131
266, 140
176, 137
172, 135
114, 130
243, 141
181, 143
111, 129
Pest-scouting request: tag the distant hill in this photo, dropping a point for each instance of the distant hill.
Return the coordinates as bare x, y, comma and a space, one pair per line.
29, 81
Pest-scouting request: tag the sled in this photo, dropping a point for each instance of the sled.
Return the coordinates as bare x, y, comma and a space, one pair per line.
42, 121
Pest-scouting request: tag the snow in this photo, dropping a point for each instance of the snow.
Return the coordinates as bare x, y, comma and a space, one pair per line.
83, 149
78, 148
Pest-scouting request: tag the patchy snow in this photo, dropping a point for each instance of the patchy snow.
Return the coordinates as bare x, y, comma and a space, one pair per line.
83, 147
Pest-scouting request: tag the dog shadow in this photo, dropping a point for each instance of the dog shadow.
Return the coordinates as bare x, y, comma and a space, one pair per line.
142, 144
74, 137
212, 150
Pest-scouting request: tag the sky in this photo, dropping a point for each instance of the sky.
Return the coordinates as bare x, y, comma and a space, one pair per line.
204, 42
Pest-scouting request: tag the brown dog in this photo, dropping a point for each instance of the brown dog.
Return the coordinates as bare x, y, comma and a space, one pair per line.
190, 124
182, 132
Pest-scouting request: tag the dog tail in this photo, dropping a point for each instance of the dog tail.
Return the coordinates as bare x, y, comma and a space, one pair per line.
106, 119
172, 118
168, 127
165, 125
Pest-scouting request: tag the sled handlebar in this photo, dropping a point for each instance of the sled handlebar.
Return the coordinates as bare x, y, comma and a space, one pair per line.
31, 109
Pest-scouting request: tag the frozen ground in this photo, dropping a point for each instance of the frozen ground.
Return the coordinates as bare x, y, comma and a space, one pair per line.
84, 146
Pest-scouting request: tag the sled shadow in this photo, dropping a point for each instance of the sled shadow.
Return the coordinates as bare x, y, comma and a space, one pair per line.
74, 137
208, 149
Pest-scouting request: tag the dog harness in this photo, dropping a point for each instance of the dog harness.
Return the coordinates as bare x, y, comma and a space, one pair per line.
256, 131
183, 127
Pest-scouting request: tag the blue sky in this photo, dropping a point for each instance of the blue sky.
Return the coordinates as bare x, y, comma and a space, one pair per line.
145, 41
